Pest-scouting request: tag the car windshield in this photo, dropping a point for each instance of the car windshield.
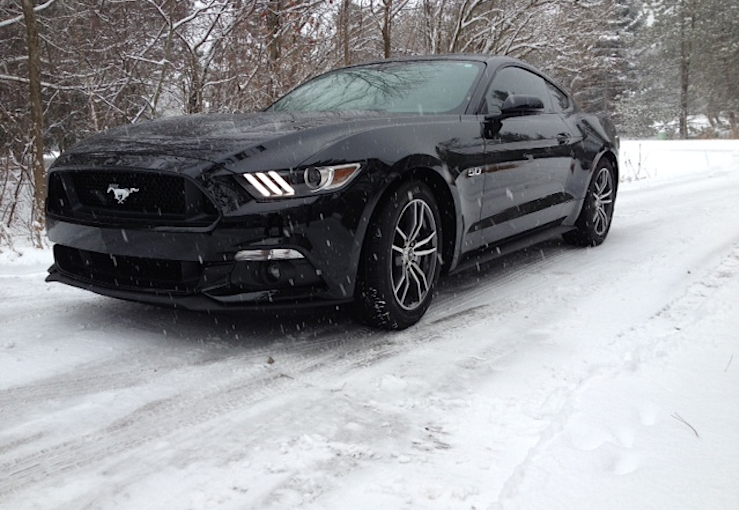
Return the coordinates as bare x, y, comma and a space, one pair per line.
421, 87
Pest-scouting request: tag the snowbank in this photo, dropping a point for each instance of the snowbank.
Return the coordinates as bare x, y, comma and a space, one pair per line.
648, 159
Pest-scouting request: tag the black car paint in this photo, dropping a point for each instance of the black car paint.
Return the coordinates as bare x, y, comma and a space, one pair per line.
473, 162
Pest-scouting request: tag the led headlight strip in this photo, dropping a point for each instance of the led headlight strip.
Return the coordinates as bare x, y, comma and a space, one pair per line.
270, 184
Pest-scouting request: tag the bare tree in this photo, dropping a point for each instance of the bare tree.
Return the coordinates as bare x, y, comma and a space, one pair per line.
37, 114
29, 140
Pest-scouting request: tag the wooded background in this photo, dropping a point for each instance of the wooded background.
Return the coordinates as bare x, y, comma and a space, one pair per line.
69, 68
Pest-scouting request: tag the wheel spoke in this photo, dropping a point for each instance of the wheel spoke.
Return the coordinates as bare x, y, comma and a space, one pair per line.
423, 253
418, 220
399, 283
601, 221
426, 240
603, 198
420, 278
403, 282
401, 233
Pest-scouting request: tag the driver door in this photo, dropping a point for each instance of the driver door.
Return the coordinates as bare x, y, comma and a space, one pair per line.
528, 156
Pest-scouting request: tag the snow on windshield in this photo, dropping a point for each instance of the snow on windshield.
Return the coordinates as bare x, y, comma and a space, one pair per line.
397, 87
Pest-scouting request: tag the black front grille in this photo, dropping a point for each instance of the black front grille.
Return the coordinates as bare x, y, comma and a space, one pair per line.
145, 193
128, 272
121, 196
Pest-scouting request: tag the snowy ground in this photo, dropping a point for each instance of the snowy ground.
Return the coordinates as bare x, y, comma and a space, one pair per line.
556, 379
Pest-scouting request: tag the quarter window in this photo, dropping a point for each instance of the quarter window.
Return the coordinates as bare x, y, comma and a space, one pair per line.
560, 101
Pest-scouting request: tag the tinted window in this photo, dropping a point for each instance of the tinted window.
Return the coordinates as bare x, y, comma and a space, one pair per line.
514, 80
397, 87
560, 101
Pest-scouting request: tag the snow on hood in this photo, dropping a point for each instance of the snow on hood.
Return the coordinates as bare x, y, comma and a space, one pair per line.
218, 138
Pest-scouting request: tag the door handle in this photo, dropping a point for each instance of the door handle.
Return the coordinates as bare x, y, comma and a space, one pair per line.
563, 138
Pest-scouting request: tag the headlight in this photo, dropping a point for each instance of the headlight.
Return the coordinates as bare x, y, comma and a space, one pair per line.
300, 182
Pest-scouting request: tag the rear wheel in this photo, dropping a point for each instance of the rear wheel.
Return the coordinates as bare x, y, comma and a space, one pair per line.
400, 261
594, 222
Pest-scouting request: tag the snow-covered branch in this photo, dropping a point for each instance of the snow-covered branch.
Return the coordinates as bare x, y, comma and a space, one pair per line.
19, 18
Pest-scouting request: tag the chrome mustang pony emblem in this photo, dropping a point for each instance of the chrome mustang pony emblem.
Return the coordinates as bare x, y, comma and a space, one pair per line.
120, 194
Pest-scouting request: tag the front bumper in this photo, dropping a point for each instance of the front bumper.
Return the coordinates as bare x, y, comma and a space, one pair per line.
203, 300
179, 275
216, 267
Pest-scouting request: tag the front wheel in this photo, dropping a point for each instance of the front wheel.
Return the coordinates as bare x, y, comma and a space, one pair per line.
400, 261
594, 222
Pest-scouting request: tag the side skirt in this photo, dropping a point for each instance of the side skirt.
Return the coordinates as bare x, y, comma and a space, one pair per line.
510, 245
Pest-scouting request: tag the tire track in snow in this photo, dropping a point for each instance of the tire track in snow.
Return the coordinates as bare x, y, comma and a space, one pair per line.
154, 420
160, 418
512, 275
304, 363
455, 298
22, 308
86, 379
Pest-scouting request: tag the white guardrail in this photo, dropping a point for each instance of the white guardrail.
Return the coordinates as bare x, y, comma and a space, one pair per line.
645, 159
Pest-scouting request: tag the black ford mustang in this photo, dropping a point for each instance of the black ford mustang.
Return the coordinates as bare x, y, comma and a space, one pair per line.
362, 185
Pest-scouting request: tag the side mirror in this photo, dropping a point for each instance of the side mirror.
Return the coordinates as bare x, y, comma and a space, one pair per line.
521, 105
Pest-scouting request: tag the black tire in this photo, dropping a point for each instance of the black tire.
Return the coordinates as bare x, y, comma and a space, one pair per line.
594, 222
400, 260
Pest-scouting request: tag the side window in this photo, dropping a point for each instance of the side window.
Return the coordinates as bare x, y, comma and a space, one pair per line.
560, 101
514, 80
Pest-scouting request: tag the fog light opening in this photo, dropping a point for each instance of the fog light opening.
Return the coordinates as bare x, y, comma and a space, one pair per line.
267, 254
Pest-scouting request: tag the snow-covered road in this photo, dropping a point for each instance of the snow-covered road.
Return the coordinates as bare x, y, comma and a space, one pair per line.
559, 378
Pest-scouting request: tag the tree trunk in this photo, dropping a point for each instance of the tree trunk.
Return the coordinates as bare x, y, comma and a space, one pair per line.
344, 32
687, 23
387, 25
734, 124
37, 115
274, 47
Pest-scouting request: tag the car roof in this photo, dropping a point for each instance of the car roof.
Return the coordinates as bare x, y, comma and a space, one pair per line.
478, 57
491, 61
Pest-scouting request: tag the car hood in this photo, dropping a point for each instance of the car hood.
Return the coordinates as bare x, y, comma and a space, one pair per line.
266, 139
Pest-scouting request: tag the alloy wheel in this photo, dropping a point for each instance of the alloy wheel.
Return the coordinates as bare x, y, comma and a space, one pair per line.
602, 201
414, 257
